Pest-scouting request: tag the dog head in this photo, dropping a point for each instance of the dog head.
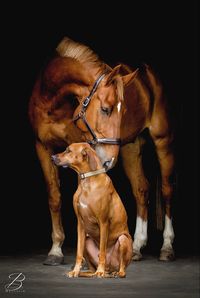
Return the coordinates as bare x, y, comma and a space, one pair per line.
78, 156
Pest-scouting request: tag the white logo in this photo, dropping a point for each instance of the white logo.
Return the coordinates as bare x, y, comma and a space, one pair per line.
16, 284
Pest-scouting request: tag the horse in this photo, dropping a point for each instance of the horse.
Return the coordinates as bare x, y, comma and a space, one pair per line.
78, 97
72, 83
145, 108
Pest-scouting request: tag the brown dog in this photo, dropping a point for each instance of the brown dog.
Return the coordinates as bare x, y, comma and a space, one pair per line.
103, 235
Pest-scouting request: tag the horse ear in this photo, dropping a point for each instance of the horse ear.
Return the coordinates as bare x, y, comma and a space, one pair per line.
90, 158
127, 79
111, 76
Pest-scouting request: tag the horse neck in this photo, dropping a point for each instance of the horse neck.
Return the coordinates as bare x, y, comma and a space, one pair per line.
95, 70
137, 105
62, 70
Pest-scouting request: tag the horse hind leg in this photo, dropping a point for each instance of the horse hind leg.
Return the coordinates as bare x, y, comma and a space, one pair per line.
55, 255
132, 162
166, 161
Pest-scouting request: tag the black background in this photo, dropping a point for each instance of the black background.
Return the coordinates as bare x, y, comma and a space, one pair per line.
159, 33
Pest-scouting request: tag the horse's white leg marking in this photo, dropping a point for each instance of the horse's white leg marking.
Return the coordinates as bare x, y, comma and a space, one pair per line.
140, 236
168, 234
56, 250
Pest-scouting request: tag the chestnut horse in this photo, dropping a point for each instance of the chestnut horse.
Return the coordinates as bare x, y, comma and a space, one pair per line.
145, 107
74, 84
78, 97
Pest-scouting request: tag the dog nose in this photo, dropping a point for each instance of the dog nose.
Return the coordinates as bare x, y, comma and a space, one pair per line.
55, 159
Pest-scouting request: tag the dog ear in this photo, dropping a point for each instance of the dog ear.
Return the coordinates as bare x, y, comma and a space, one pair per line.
90, 158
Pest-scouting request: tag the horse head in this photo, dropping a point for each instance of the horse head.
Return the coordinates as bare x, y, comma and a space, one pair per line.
99, 114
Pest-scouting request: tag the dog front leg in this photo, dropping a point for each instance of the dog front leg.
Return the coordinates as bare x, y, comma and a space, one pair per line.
80, 250
100, 272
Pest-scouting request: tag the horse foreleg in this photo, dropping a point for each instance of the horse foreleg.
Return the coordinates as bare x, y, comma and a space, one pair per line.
55, 255
132, 162
166, 160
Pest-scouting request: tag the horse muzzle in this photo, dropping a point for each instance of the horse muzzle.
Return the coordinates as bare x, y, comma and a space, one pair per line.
55, 159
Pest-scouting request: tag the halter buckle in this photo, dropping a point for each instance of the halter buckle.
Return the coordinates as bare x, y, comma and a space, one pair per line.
82, 175
86, 102
81, 114
93, 142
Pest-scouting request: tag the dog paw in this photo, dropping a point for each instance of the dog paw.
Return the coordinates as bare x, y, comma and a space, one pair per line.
72, 274
99, 274
122, 274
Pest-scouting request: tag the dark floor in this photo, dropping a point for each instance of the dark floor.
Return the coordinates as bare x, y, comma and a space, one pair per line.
148, 278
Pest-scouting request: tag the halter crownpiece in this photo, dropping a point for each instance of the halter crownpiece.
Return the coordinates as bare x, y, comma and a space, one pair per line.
94, 88
81, 115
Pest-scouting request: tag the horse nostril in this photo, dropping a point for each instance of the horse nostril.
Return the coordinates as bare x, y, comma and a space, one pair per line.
55, 158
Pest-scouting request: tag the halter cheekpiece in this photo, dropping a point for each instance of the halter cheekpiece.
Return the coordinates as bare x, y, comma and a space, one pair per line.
81, 115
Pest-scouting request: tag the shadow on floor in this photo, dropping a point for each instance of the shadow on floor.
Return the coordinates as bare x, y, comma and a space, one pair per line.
148, 278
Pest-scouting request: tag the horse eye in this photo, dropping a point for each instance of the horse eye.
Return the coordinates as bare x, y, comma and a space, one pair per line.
106, 111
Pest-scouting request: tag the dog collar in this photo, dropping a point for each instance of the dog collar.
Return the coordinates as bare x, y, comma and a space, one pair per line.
92, 173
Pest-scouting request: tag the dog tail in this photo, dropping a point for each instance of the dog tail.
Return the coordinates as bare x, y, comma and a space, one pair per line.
86, 274
91, 274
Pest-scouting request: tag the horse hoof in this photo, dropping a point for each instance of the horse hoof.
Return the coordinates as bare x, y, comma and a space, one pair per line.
52, 260
137, 256
167, 255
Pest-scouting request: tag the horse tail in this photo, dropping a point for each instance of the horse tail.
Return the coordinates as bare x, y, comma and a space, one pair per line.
159, 205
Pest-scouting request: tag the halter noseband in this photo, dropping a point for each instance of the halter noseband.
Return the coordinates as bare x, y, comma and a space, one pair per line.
81, 115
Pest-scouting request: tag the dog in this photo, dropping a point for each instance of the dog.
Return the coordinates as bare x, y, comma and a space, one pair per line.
103, 235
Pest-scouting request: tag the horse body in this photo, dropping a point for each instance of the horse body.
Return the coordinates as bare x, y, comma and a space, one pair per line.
50, 111
147, 108
57, 98
64, 83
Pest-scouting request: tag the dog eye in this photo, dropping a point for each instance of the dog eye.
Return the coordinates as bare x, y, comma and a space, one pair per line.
106, 111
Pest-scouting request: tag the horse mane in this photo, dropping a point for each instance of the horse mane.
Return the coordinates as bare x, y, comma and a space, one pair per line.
80, 52
69, 48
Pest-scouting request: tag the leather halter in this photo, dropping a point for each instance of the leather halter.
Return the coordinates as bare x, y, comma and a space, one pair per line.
81, 115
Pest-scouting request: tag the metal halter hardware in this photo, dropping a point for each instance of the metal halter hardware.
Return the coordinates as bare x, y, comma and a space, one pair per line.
81, 115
